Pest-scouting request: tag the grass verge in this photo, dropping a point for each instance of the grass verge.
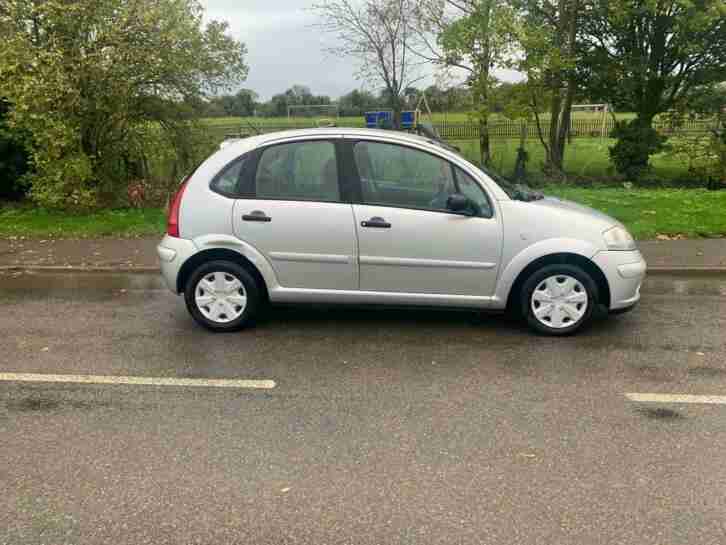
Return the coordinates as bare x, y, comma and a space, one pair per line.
24, 221
647, 213
692, 213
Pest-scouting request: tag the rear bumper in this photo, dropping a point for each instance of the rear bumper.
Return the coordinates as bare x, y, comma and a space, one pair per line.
173, 252
624, 272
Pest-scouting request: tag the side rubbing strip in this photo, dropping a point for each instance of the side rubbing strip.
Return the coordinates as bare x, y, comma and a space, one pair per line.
439, 263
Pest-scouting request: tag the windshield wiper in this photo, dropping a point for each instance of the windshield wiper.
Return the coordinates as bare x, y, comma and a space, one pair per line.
525, 193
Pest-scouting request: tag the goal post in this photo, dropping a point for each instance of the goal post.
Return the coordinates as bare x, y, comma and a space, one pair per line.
321, 114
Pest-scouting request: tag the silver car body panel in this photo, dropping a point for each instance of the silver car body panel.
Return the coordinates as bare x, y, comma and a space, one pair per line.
428, 252
310, 244
318, 252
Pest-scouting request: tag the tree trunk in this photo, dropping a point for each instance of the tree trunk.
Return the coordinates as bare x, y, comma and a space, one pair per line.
554, 157
520, 166
484, 151
395, 105
561, 106
482, 83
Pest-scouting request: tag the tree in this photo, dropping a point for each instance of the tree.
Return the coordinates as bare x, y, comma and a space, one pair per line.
242, 104
547, 35
468, 35
705, 154
356, 103
378, 34
646, 56
93, 81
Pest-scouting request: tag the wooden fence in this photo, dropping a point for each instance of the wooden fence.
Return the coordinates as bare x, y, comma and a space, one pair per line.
579, 128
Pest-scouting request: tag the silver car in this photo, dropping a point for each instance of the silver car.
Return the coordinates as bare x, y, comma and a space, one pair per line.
385, 218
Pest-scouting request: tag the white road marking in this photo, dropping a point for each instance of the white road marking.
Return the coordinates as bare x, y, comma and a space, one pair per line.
138, 381
677, 398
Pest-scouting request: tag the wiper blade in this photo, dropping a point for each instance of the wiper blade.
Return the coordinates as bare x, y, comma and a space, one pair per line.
525, 193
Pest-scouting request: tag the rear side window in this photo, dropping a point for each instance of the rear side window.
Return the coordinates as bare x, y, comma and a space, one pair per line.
227, 182
298, 171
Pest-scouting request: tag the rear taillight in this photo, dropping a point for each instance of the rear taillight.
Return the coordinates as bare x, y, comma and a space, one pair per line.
172, 222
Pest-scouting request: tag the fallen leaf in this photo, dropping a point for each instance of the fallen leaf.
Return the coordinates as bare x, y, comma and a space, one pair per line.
45, 349
286, 489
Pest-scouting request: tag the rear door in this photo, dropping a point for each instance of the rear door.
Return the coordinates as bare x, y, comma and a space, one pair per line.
296, 215
409, 242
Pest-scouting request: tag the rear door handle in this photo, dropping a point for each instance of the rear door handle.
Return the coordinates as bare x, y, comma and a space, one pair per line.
257, 215
376, 222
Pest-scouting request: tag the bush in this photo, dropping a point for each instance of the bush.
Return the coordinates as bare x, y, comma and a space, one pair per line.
13, 160
636, 143
87, 79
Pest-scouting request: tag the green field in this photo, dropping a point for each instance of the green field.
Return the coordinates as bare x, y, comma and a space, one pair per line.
358, 121
586, 160
646, 212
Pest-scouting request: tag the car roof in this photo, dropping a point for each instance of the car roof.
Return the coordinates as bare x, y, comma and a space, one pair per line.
262, 139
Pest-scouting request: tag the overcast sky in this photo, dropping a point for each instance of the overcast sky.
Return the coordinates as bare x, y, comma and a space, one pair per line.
284, 50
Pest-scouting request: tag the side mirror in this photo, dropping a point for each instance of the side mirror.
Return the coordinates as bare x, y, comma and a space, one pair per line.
457, 202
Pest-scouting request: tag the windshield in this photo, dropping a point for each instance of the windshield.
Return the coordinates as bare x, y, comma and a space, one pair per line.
516, 191
520, 192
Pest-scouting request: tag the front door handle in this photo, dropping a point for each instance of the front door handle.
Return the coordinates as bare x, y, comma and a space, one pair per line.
376, 222
257, 215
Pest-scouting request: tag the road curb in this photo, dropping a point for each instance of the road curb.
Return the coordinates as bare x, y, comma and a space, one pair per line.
75, 270
652, 271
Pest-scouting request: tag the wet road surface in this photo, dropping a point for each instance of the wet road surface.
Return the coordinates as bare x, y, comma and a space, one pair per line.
383, 427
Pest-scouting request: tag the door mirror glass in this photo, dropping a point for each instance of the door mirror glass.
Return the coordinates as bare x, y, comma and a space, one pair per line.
458, 203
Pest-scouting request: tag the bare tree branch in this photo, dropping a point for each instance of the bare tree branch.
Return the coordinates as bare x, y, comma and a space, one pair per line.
377, 33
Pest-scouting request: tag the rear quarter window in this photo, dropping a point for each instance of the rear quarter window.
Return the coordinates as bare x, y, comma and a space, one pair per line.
227, 181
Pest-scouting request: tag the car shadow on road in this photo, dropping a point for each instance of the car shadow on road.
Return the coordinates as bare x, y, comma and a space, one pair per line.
368, 315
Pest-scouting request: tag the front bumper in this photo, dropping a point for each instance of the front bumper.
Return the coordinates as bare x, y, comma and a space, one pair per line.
173, 252
624, 272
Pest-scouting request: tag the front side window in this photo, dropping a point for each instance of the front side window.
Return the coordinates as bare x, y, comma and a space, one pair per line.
298, 171
473, 191
393, 175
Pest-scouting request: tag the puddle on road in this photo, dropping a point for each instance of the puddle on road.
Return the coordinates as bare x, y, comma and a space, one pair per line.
15, 281
46, 404
659, 413
707, 372
712, 285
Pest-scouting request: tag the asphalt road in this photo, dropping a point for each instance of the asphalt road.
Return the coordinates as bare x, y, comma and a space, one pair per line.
384, 426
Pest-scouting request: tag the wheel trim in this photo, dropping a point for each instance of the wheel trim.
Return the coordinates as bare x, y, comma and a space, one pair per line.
559, 301
220, 297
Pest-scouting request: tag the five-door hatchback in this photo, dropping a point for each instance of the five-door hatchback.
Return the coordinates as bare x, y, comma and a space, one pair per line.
385, 218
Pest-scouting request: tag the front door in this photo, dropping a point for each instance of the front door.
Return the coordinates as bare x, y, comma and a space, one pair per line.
296, 218
409, 242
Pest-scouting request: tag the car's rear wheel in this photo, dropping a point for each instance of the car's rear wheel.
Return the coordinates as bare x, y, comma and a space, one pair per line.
222, 296
558, 299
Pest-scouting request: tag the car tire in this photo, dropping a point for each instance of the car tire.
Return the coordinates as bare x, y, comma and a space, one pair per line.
223, 296
558, 299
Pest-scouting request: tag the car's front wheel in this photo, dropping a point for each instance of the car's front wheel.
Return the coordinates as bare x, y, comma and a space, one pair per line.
558, 299
222, 296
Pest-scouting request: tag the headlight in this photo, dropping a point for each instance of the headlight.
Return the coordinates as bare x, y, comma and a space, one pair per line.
618, 238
